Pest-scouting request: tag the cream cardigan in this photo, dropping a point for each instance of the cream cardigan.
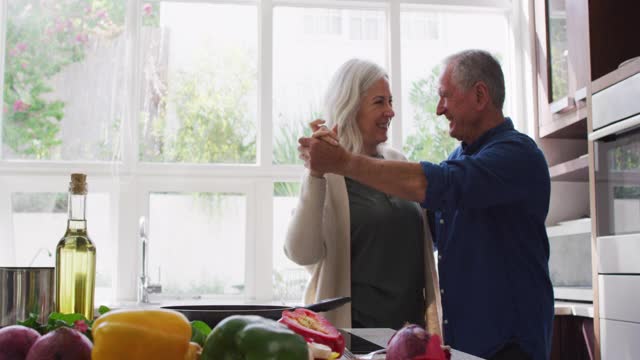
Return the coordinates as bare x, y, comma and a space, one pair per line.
319, 237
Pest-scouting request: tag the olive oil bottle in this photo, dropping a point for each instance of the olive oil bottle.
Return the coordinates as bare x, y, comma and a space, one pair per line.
76, 256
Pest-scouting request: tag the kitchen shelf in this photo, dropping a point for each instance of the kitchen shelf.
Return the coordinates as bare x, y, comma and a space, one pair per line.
575, 170
570, 227
569, 125
575, 293
621, 73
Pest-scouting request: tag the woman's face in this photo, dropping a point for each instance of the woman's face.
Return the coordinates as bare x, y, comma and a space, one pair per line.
374, 115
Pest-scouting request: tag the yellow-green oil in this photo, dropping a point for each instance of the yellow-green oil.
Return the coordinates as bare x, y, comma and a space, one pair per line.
75, 273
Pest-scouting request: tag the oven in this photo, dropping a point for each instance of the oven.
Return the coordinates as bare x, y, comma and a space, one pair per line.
616, 139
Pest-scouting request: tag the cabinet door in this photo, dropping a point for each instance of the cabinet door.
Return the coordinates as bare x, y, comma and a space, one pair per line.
619, 297
562, 42
619, 340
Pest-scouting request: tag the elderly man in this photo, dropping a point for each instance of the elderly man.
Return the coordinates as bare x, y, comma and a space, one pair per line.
490, 199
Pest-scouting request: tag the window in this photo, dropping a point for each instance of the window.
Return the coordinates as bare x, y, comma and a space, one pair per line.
426, 136
63, 72
289, 279
188, 113
199, 65
303, 65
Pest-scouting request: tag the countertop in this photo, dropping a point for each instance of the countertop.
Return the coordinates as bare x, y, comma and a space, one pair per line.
381, 337
568, 308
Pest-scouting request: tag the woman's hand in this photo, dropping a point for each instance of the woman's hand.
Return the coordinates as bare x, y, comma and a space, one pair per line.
322, 132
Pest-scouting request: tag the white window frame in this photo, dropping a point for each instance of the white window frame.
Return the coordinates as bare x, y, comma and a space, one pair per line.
130, 181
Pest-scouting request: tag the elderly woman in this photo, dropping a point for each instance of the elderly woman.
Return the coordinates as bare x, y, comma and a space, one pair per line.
357, 241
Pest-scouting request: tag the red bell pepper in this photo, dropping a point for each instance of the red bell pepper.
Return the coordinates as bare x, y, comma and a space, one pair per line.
313, 327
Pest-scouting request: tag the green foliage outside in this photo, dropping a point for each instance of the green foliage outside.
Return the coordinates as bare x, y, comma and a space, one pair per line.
211, 104
42, 38
431, 140
559, 67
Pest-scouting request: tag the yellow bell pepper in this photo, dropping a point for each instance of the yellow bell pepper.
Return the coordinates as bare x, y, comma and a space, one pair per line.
157, 334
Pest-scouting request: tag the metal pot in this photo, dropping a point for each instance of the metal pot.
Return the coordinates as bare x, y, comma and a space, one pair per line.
213, 314
25, 290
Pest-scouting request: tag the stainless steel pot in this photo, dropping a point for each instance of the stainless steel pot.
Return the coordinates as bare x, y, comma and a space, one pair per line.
25, 290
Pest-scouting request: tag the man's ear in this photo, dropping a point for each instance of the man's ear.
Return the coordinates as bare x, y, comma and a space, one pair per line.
481, 93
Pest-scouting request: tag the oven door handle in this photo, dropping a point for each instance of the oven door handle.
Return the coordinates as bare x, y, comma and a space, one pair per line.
616, 128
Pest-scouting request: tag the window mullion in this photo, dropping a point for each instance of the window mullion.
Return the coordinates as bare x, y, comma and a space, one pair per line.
265, 84
132, 87
3, 34
395, 70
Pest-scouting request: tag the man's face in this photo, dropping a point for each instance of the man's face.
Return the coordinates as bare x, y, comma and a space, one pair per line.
457, 105
374, 114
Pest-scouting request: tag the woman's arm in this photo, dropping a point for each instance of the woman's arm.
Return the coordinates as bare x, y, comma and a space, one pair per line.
304, 243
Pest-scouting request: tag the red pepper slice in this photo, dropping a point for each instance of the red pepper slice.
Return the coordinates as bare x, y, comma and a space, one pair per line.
313, 327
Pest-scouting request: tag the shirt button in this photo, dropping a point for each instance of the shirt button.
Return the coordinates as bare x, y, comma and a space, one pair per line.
442, 291
446, 321
439, 257
441, 221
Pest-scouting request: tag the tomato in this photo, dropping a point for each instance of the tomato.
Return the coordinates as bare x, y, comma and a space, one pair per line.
313, 327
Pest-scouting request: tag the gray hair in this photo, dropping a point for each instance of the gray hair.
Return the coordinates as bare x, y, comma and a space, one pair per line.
471, 66
343, 97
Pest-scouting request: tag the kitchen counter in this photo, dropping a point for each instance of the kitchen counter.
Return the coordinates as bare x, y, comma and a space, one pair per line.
568, 308
382, 336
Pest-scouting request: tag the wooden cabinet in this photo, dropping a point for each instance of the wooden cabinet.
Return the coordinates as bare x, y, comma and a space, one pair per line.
579, 47
561, 41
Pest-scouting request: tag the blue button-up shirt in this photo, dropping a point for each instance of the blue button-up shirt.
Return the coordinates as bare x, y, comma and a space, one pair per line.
491, 199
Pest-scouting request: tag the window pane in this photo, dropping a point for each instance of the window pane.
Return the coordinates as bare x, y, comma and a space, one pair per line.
558, 49
427, 37
197, 244
309, 46
63, 80
289, 279
36, 245
199, 83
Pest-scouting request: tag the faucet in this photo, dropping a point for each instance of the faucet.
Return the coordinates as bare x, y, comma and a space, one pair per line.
145, 287
38, 253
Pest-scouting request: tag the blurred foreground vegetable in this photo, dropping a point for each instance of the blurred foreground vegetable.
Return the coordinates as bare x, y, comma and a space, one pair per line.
314, 328
158, 334
250, 337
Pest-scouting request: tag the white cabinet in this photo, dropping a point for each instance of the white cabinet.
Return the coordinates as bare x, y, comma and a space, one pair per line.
619, 297
619, 340
618, 254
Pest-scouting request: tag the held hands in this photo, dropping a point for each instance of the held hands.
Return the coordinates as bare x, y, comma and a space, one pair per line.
321, 152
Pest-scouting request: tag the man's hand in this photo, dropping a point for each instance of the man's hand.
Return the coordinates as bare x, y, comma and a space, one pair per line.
321, 157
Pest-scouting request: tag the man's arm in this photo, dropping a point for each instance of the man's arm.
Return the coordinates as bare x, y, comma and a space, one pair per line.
399, 178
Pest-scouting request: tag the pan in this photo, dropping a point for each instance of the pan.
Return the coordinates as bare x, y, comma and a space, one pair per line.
213, 314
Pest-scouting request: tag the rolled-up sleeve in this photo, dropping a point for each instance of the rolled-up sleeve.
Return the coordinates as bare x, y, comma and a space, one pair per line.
436, 185
500, 173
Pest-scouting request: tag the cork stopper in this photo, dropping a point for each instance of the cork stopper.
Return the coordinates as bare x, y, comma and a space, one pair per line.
78, 184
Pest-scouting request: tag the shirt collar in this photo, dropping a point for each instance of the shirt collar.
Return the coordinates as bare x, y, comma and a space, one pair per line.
484, 138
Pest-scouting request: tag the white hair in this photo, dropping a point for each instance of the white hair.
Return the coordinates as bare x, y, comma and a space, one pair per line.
343, 98
471, 66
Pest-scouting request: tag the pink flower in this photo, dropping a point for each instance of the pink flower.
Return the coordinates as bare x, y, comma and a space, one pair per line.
148, 9
102, 14
18, 49
20, 106
82, 38
23, 65
81, 326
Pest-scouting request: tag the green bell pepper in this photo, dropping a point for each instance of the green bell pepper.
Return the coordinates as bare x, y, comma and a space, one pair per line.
250, 337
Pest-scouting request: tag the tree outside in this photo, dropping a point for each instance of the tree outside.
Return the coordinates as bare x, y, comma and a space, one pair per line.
42, 39
431, 140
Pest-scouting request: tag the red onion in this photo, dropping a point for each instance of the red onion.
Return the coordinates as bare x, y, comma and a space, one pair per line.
412, 342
